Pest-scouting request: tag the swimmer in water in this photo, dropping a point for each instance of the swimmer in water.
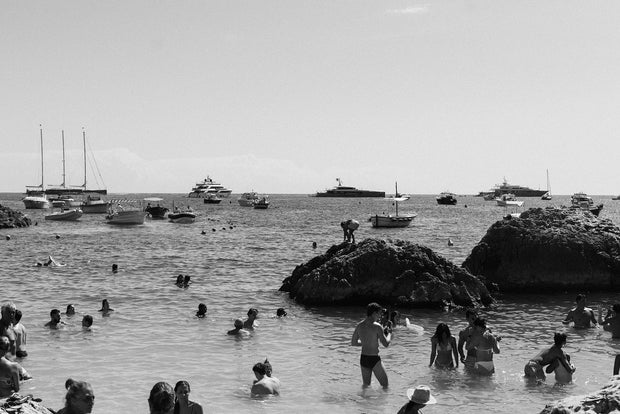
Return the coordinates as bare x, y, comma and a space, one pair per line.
70, 310
202, 310
280, 313
534, 367
87, 322
55, 321
179, 281
238, 329
580, 315
49, 262
249, 323
105, 307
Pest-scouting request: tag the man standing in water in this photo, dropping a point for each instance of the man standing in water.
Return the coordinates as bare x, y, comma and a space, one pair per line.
580, 315
464, 336
368, 333
6, 325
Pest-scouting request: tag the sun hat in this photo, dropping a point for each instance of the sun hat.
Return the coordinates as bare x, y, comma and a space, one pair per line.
421, 395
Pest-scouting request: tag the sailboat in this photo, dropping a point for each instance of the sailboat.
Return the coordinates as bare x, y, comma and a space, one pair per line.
547, 195
383, 220
35, 195
93, 204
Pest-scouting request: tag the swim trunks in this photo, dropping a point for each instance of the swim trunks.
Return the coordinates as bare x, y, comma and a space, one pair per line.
484, 367
369, 361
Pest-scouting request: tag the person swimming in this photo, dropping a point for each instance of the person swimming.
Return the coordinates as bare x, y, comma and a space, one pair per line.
105, 307
280, 313
239, 330
70, 310
202, 311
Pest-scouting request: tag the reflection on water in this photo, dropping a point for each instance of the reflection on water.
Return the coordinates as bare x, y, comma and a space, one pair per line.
153, 335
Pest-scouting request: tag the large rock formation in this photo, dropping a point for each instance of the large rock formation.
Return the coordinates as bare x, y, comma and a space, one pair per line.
10, 218
390, 272
605, 401
551, 248
20, 404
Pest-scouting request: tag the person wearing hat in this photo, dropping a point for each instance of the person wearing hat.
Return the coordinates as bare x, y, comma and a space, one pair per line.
419, 397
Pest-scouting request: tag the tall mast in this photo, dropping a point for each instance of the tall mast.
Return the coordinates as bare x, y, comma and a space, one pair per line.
396, 196
84, 141
42, 178
63, 160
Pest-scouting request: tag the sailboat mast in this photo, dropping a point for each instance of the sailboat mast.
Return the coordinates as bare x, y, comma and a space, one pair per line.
63, 160
84, 141
42, 178
396, 195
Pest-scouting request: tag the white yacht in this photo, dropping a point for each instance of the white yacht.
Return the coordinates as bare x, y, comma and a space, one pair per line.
209, 187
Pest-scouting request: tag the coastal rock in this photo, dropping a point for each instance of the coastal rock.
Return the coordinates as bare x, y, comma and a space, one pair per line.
607, 400
10, 218
551, 248
392, 272
20, 404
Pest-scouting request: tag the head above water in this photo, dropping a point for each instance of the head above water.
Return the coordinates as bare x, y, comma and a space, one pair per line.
162, 398
5, 344
259, 368
70, 310
87, 321
55, 313
374, 307
202, 308
80, 397
238, 323
253, 312
559, 339
280, 312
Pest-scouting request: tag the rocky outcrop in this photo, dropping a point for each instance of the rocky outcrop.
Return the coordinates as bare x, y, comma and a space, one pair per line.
20, 404
607, 400
551, 248
389, 272
10, 218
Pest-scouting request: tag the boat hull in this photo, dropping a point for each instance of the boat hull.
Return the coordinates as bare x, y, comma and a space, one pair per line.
352, 194
446, 201
391, 221
32, 202
130, 217
509, 203
261, 206
157, 212
183, 218
65, 215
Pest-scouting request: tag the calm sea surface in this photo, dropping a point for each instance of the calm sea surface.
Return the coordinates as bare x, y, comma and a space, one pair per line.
153, 335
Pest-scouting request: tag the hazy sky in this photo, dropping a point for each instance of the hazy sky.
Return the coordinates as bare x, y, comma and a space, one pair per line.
285, 96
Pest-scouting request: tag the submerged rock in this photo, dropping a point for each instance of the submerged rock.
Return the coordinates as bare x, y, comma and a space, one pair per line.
607, 400
392, 272
551, 248
10, 218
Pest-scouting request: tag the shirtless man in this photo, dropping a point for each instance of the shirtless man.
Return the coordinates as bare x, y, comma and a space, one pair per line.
580, 315
464, 335
55, 321
368, 333
611, 322
238, 329
534, 368
6, 325
252, 314
20, 335
264, 384
9, 371
485, 345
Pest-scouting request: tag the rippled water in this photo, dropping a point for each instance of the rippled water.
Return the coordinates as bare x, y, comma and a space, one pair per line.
153, 336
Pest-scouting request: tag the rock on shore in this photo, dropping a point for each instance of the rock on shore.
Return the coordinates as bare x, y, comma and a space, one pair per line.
553, 249
19, 404
392, 272
607, 400
10, 218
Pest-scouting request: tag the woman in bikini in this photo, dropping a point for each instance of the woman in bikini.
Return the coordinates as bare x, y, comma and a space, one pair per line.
485, 345
444, 352
183, 405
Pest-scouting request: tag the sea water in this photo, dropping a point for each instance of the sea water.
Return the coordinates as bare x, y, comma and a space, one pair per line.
239, 262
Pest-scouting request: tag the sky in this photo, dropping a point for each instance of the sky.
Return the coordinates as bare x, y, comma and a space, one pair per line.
287, 96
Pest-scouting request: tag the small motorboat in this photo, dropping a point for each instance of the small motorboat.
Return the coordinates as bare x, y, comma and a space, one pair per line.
262, 203
248, 199
94, 205
182, 216
156, 211
506, 200
584, 202
70, 214
446, 198
126, 214
212, 199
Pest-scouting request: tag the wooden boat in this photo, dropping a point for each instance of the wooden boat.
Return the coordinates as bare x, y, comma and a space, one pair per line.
262, 203
72, 214
396, 220
156, 211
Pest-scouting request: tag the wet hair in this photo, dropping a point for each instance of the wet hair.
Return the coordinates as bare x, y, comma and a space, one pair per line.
161, 398
481, 322
260, 368
559, 338
253, 310
373, 307
180, 279
53, 311
187, 278
88, 319
268, 367
471, 312
280, 312
238, 323
580, 297
70, 308
202, 306
442, 328
18, 315
74, 388
180, 384
5, 343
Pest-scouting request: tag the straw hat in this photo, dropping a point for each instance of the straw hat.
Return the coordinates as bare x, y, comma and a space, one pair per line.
421, 395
